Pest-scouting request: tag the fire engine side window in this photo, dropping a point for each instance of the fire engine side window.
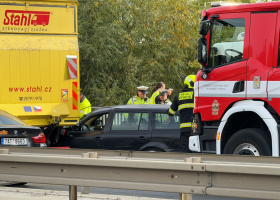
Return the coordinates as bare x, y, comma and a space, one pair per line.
227, 41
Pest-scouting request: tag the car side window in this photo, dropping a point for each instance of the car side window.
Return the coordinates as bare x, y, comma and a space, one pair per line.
131, 121
164, 121
97, 122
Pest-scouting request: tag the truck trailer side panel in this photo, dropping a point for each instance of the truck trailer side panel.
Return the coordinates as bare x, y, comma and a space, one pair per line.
36, 38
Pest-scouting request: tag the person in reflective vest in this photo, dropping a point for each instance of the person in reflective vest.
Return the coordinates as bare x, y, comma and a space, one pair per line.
85, 106
184, 102
163, 97
155, 92
141, 97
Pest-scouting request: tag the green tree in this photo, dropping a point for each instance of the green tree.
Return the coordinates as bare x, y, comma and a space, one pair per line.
128, 43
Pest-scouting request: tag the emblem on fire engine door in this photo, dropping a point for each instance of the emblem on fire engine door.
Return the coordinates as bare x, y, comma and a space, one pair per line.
215, 107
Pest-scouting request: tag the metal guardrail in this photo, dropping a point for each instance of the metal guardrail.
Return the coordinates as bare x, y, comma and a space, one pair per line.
219, 175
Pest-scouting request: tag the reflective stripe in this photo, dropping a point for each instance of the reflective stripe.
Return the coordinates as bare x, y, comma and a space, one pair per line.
81, 111
153, 97
186, 125
189, 79
172, 111
131, 101
186, 105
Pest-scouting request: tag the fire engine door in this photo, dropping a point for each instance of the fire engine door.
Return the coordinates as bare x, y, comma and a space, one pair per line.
261, 53
273, 84
227, 43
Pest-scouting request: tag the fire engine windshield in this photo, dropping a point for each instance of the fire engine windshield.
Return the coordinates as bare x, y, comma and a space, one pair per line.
227, 41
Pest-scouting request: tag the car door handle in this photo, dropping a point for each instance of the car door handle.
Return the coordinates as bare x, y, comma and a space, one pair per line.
238, 87
142, 138
98, 139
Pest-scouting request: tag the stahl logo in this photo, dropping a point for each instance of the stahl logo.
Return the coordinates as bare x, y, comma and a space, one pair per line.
26, 18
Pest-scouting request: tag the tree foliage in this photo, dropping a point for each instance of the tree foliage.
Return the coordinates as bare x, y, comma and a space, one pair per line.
128, 43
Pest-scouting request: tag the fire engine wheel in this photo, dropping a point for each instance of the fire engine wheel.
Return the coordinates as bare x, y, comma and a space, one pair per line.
250, 141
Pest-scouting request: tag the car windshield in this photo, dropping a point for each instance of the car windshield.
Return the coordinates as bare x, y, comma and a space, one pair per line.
8, 119
227, 41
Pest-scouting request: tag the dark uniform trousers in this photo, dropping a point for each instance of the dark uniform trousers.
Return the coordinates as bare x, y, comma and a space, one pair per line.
184, 102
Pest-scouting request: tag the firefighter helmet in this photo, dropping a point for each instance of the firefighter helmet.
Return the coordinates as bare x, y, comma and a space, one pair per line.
189, 80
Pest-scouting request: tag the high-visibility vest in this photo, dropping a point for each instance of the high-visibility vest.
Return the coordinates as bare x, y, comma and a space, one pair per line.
85, 107
137, 100
154, 96
167, 101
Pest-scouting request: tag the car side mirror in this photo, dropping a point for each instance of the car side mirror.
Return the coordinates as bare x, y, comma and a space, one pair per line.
202, 51
99, 128
205, 27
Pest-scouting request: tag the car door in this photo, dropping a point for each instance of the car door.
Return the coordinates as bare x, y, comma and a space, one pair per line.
128, 131
166, 131
89, 135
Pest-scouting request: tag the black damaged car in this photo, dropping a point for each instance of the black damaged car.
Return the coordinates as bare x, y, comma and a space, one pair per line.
15, 132
126, 127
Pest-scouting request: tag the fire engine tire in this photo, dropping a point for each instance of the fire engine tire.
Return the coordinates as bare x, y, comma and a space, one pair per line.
250, 141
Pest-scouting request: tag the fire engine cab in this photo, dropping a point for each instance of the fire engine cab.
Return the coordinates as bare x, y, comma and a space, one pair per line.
237, 91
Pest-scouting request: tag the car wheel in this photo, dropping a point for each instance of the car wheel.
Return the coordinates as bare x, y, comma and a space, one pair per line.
249, 141
153, 150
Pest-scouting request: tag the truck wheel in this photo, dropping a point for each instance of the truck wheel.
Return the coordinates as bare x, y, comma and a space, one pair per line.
250, 141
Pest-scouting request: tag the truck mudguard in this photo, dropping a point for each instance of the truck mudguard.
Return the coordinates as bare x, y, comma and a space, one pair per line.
258, 108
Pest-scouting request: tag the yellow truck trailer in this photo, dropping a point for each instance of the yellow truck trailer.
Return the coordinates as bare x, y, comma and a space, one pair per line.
39, 70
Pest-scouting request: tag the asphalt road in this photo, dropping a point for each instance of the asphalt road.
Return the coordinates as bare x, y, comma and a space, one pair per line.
160, 195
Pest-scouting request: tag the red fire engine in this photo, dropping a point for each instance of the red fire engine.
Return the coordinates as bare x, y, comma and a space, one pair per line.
237, 91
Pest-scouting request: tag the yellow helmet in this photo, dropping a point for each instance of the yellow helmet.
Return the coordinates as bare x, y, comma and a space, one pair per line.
189, 80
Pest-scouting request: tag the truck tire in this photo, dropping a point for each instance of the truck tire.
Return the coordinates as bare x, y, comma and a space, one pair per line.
250, 141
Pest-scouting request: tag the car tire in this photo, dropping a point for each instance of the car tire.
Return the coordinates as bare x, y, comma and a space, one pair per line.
250, 141
153, 149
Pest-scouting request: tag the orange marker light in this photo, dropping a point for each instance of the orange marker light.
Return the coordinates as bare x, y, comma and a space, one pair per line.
4, 132
218, 136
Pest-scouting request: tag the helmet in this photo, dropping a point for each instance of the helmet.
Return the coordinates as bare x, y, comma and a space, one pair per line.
189, 80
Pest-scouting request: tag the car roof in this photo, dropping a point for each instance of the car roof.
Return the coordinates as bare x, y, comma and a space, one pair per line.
152, 107
146, 107
127, 108
251, 7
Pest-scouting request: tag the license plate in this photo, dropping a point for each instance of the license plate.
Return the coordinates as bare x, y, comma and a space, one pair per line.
14, 141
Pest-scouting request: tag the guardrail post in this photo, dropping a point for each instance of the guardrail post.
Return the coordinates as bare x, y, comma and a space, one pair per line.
189, 160
73, 193
85, 190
